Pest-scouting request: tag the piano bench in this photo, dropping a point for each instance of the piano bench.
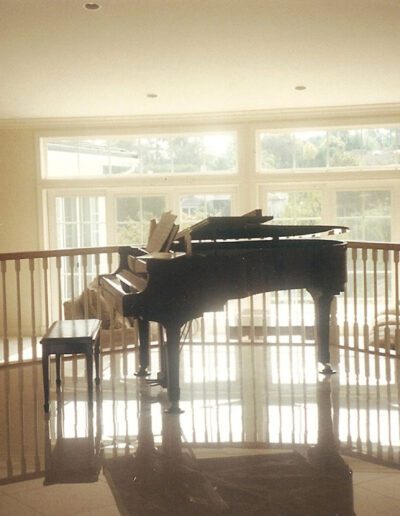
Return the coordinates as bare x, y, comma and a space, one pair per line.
70, 338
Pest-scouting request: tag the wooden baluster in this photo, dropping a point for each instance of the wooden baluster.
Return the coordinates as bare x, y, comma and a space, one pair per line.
334, 337
290, 339
266, 359
126, 414
364, 257
356, 344
191, 369
85, 287
73, 315
346, 330
278, 364
397, 301
358, 440
123, 335
7, 413
376, 330
21, 420
110, 262
205, 368
378, 418
348, 412
35, 407
228, 369
240, 362
45, 268
253, 370
6, 347
251, 321
303, 359
264, 319
112, 327
33, 308
19, 310
387, 328
97, 265
355, 314
376, 347
72, 283
59, 288
216, 369
397, 330
387, 349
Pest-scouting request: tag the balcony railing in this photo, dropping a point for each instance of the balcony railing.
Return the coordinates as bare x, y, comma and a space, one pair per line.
268, 336
36, 288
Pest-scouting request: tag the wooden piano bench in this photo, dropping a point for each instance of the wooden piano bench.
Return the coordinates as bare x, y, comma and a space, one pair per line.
69, 338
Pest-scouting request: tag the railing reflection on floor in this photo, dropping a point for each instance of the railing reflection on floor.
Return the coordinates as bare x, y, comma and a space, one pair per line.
233, 396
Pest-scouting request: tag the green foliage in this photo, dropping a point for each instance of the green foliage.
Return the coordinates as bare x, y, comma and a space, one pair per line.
302, 206
344, 148
130, 233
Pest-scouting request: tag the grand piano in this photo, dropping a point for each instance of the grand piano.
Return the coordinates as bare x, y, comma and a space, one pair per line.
218, 259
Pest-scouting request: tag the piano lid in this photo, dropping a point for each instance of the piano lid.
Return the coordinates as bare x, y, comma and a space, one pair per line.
226, 228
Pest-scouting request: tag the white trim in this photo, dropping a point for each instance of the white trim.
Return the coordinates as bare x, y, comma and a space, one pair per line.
325, 115
246, 187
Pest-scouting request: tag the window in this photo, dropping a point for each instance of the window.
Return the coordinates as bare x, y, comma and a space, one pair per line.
140, 155
133, 217
199, 174
295, 207
80, 223
366, 213
194, 208
356, 148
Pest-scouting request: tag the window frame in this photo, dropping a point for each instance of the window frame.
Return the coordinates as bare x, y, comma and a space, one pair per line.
246, 186
43, 139
321, 170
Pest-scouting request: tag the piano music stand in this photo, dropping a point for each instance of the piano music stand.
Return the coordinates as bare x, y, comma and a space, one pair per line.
71, 337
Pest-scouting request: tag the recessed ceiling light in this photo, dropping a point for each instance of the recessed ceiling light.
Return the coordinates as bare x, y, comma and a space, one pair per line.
92, 6
152, 95
300, 87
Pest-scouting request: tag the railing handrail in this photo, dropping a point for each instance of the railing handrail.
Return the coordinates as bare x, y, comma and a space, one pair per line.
23, 255
385, 246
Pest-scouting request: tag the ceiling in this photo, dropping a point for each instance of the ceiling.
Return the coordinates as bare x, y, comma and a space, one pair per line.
59, 60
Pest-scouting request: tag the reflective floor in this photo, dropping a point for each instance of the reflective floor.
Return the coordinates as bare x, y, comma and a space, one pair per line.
262, 433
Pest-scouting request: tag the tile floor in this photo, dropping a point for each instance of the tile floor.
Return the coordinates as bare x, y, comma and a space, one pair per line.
241, 405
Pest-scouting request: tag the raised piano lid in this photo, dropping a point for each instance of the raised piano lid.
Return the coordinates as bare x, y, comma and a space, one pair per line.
215, 228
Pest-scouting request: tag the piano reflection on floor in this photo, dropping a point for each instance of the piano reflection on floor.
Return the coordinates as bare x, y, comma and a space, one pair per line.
180, 276
185, 479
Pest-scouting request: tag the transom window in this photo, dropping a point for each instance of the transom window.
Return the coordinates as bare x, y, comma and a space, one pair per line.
140, 155
329, 149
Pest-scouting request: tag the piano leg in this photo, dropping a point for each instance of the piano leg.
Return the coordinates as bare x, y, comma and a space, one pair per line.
173, 343
162, 374
322, 302
144, 327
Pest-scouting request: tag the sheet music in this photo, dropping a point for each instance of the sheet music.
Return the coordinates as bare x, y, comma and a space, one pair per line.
161, 233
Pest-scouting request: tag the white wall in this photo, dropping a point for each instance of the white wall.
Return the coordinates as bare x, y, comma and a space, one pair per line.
18, 197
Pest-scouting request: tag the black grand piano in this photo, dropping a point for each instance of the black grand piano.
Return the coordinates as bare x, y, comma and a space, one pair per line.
218, 259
